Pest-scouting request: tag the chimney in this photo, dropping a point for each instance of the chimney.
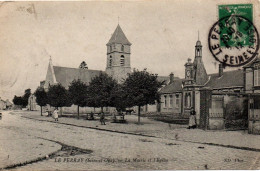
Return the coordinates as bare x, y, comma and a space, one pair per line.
220, 70
171, 77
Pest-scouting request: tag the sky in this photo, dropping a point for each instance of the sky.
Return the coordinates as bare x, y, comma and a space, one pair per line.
163, 35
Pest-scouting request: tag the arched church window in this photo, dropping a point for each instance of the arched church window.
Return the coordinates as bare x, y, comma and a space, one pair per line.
122, 48
122, 60
110, 61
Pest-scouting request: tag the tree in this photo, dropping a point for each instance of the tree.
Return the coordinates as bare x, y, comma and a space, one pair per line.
119, 98
27, 94
41, 97
78, 93
83, 65
58, 96
141, 88
17, 100
100, 89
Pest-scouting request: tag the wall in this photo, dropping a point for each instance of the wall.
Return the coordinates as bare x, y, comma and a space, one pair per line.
170, 108
248, 80
117, 71
74, 110
254, 121
197, 105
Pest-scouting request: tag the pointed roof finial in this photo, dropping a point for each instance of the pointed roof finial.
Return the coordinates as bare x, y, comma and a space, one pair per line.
118, 20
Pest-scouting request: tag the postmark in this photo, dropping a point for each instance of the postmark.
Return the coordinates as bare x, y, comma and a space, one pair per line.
234, 40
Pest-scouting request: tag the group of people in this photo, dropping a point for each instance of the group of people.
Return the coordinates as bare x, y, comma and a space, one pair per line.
54, 114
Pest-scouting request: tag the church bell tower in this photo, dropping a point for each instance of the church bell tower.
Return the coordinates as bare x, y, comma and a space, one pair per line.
118, 56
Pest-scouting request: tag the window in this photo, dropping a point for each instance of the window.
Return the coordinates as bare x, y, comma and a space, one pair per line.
122, 60
110, 48
110, 61
171, 101
177, 101
165, 101
257, 76
122, 48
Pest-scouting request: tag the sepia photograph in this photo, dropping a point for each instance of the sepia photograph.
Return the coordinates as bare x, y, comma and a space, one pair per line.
130, 85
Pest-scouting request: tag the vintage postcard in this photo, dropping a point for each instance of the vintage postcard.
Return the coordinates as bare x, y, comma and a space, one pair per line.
130, 85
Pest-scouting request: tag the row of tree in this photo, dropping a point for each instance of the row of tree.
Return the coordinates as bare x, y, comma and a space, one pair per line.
139, 89
22, 100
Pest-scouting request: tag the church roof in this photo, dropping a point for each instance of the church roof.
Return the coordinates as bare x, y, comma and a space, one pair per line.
227, 80
65, 75
119, 37
200, 74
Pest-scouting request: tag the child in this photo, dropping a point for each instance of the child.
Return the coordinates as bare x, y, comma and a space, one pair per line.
55, 115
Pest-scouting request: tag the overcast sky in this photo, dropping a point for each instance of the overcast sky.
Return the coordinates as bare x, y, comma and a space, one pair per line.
163, 35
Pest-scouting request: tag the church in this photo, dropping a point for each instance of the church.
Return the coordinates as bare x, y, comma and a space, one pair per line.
118, 66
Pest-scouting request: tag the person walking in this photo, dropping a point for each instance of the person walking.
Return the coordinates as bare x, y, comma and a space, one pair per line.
102, 118
55, 114
192, 119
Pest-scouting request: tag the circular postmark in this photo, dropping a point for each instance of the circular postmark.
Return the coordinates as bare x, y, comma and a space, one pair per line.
233, 41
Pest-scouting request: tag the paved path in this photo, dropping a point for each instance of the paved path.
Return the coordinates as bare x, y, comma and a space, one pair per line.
14, 145
237, 139
118, 151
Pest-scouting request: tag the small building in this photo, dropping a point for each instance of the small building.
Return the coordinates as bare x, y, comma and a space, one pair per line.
2, 104
9, 105
32, 104
180, 95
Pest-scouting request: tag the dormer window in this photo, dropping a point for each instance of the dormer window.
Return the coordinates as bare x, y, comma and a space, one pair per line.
122, 48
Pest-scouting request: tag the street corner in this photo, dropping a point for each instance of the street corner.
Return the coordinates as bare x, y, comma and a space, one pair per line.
23, 149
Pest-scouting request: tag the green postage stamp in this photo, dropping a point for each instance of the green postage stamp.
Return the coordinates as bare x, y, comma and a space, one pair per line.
240, 38
233, 39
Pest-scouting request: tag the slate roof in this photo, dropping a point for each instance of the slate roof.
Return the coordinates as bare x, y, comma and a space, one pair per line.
163, 78
166, 79
65, 75
176, 86
228, 79
119, 37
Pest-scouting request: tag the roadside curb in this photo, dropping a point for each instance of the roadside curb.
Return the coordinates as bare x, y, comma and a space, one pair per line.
151, 136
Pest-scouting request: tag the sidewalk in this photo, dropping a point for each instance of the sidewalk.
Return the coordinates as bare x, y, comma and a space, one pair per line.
233, 139
11, 152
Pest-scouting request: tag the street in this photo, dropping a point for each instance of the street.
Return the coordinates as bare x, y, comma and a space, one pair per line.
68, 147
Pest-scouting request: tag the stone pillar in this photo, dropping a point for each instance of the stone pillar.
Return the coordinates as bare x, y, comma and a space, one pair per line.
197, 105
205, 104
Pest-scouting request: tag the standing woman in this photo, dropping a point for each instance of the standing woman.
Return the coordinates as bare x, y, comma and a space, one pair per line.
55, 114
192, 119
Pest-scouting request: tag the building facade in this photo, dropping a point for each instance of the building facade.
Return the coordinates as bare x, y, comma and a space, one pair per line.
181, 95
